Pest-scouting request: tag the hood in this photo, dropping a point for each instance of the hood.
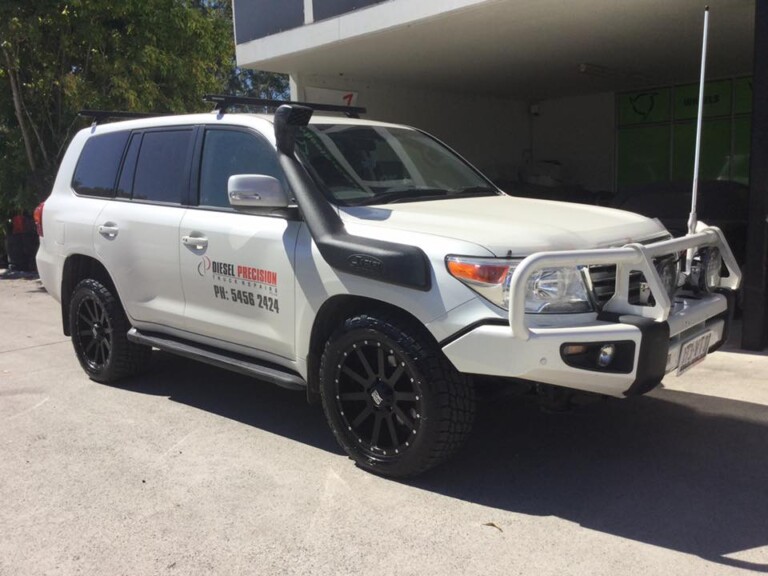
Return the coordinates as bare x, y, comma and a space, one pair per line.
505, 224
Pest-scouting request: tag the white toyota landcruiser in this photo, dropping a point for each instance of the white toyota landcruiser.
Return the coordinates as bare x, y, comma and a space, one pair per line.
366, 263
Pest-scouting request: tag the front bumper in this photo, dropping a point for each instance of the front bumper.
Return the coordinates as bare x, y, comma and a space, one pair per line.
651, 337
492, 350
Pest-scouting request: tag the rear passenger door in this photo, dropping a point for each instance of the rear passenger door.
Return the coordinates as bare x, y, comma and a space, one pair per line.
136, 235
236, 267
93, 182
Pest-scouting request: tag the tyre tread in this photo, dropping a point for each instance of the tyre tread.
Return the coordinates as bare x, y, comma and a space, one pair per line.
454, 391
128, 358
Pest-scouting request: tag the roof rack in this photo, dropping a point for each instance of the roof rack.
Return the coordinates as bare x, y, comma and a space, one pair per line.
224, 101
101, 115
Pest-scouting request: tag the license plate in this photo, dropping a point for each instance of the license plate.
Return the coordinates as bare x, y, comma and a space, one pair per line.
693, 352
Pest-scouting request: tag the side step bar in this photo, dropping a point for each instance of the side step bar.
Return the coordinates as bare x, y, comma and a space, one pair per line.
235, 362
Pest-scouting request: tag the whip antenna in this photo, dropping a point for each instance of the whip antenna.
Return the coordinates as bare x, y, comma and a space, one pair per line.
695, 191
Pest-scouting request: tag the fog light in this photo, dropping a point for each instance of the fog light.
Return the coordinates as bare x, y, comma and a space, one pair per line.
669, 271
573, 349
617, 357
712, 261
607, 352
705, 269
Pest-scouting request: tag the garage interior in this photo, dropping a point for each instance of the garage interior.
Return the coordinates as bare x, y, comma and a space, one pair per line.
592, 101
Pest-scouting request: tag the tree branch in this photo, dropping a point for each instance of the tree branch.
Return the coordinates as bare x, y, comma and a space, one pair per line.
19, 108
40, 142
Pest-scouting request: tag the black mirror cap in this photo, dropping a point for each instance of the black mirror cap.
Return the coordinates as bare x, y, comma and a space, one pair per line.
287, 119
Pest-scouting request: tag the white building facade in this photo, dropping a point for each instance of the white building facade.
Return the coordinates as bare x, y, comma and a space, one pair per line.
563, 98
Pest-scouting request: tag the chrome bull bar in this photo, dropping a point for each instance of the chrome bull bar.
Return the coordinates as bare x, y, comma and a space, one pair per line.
631, 257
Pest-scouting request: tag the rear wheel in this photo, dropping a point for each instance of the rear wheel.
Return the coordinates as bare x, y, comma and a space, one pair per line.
99, 328
394, 402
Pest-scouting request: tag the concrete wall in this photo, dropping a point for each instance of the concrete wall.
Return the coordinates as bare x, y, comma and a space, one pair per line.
492, 133
495, 134
579, 132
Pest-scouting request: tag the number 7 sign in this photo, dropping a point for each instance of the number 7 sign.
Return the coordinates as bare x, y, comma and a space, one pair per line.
328, 96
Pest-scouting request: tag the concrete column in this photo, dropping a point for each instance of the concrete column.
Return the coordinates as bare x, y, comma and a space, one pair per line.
297, 87
309, 11
755, 330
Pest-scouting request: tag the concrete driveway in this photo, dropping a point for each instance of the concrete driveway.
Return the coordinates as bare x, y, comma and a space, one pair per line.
192, 470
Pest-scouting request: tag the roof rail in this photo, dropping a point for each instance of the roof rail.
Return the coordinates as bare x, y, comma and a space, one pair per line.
224, 101
101, 115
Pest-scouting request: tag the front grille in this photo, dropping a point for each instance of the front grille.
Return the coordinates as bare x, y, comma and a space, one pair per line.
603, 279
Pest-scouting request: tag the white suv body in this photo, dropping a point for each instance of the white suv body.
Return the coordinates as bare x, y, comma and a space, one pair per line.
245, 286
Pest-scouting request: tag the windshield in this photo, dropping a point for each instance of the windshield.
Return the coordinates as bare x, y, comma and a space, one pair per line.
357, 165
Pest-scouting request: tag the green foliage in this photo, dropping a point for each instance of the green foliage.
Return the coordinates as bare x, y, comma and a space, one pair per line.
57, 57
244, 82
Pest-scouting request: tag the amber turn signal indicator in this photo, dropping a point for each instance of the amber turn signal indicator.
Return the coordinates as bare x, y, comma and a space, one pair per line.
484, 273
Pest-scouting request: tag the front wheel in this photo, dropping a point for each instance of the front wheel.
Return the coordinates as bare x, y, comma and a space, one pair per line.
394, 402
99, 327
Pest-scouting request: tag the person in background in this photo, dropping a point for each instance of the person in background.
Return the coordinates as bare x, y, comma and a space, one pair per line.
21, 243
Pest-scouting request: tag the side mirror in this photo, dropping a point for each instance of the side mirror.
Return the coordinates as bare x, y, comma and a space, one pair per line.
256, 191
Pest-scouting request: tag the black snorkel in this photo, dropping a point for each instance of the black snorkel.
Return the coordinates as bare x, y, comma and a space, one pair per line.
380, 260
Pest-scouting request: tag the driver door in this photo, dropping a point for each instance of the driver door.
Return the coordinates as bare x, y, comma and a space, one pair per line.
236, 267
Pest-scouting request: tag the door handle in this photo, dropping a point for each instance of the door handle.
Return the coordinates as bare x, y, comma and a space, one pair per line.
196, 242
108, 230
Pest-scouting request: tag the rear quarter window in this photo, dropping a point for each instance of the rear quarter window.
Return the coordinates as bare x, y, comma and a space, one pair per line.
96, 171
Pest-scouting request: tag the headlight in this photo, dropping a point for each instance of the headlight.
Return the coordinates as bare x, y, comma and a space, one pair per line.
549, 291
557, 291
669, 272
706, 268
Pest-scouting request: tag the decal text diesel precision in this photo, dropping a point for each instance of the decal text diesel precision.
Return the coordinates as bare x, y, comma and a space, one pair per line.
244, 273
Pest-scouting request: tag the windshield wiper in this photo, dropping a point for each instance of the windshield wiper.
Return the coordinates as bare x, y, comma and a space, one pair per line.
397, 194
476, 191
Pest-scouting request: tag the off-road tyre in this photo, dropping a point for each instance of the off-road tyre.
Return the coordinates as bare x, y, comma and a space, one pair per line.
98, 327
424, 406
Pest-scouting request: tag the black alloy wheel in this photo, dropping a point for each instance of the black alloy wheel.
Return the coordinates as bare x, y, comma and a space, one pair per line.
378, 398
99, 327
394, 402
93, 332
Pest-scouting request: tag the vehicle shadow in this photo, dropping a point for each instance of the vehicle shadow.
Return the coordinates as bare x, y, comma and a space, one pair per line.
237, 397
681, 471
677, 470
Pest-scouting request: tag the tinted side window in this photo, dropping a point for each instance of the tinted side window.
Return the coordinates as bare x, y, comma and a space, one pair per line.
228, 152
161, 169
97, 167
